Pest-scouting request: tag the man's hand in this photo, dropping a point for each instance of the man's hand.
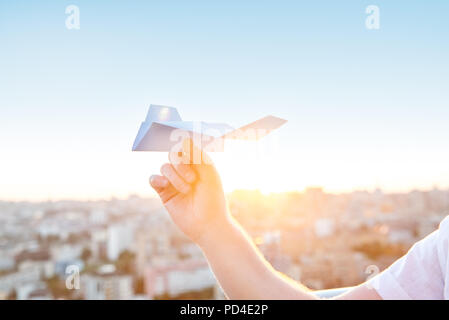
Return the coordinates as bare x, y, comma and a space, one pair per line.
192, 193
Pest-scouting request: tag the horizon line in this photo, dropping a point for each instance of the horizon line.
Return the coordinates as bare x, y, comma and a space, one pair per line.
154, 196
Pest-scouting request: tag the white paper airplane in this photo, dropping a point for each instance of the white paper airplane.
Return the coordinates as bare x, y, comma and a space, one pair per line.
163, 128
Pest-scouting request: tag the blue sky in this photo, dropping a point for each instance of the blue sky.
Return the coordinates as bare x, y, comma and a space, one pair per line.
366, 108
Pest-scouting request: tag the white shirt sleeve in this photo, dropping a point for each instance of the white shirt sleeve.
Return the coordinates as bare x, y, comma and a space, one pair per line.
421, 273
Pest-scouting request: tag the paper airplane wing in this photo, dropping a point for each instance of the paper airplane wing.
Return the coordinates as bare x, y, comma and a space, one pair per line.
159, 136
153, 137
257, 129
207, 129
162, 113
156, 132
145, 136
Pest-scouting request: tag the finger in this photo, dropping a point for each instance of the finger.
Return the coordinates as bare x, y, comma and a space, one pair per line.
158, 182
163, 187
168, 193
201, 162
182, 168
169, 172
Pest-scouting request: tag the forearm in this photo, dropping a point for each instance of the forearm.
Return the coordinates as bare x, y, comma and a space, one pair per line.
242, 271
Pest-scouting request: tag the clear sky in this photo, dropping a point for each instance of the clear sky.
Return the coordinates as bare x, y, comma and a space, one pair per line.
366, 108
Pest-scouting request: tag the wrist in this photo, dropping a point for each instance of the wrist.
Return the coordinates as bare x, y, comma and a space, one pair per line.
216, 233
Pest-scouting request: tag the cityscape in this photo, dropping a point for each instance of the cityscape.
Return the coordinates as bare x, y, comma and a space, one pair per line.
130, 249
326, 122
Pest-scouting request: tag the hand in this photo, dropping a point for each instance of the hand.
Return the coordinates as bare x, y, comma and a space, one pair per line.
192, 193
